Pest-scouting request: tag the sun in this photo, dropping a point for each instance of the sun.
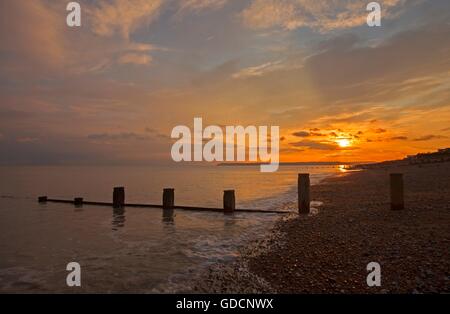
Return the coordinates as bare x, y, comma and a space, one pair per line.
344, 142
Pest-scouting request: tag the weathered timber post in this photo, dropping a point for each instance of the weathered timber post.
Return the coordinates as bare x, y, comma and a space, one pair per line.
168, 198
78, 201
119, 197
397, 195
303, 194
42, 199
229, 202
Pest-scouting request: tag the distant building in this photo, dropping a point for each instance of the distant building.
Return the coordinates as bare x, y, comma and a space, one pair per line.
442, 155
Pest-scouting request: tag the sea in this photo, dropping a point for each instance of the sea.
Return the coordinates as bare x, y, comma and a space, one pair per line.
134, 250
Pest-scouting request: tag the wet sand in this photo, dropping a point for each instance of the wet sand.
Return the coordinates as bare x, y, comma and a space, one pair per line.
329, 252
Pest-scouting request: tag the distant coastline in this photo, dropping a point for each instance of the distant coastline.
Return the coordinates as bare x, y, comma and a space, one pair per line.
317, 163
439, 156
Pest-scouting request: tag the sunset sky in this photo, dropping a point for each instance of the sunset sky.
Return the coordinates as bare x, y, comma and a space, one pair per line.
111, 91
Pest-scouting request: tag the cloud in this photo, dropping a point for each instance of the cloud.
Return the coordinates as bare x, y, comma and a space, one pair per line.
259, 70
399, 138
315, 145
429, 138
374, 74
157, 133
123, 16
317, 134
124, 136
147, 135
322, 15
291, 150
301, 134
135, 58
351, 117
44, 46
186, 6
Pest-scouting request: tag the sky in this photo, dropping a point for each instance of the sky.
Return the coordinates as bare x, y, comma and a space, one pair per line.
111, 91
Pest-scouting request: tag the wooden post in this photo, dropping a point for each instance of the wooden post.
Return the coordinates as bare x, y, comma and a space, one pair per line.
168, 198
303, 194
119, 197
229, 201
397, 197
78, 201
42, 199
168, 215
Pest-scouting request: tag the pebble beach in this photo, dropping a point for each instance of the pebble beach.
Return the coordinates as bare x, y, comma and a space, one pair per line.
328, 253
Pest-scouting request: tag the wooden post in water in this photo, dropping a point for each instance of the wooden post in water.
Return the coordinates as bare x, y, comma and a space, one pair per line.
303, 194
229, 201
78, 201
168, 198
119, 197
42, 199
397, 195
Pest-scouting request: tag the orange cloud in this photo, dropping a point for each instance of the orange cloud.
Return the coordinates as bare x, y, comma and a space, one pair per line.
123, 16
323, 15
135, 58
199, 5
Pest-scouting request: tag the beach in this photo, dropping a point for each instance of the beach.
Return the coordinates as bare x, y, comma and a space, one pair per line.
138, 250
329, 252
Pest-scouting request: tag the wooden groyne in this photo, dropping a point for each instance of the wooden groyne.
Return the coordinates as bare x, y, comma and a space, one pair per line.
229, 199
229, 204
188, 208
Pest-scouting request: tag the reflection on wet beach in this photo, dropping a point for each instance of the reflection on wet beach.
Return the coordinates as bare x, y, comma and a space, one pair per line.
168, 216
119, 218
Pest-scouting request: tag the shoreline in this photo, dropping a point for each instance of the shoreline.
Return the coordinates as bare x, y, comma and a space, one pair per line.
329, 252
